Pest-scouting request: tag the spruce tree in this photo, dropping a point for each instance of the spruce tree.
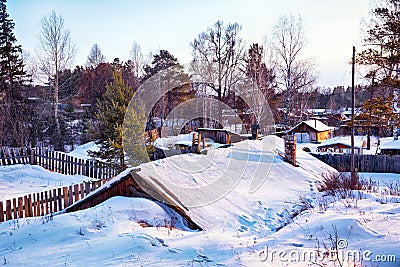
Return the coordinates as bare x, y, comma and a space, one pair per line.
13, 105
110, 115
11, 64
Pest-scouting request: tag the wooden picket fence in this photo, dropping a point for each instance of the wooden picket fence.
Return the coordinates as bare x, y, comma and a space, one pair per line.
46, 202
16, 155
56, 161
52, 200
69, 165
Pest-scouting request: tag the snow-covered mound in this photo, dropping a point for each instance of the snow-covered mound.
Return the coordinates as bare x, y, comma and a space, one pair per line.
108, 234
241, 227
167, 143
246, 187
82, 150
19, 180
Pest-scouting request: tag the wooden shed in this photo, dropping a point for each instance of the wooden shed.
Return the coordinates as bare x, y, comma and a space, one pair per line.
390, 148
131, 184
341, 145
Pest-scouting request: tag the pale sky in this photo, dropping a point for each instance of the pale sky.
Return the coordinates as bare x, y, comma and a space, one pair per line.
332, 26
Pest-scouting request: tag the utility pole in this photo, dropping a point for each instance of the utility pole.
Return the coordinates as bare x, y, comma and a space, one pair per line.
353, 98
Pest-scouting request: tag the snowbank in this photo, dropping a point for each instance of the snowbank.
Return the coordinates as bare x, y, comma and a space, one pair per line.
19, 180
82, 150
242, 188
243, 226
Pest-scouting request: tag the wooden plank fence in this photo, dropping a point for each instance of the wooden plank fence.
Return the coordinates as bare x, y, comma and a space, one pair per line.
16, 155
363, 163
56, 161
69, 165
46, 202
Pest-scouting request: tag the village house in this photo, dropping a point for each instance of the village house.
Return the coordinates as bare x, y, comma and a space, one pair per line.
390, 148
341, 145
312, 131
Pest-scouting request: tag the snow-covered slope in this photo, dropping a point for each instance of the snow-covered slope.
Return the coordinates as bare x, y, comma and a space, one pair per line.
82, 150
240, 225
19, 180
244, 188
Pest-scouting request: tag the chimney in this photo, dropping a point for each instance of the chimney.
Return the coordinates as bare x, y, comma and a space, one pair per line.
290, 149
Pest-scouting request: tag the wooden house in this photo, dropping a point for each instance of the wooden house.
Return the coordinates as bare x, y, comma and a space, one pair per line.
312, 131
341, 145
390, 148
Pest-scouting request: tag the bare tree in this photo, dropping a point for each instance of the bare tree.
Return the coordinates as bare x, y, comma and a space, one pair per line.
294, 75
95, 57
217, 59
55, 55
137, 59
260, 85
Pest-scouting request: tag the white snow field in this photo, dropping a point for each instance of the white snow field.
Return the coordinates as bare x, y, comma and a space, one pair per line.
19, 180
82, 150
251, 224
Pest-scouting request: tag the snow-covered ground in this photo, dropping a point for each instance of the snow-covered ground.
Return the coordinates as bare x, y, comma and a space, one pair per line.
82, 150
251, 224
19, 180
242, 188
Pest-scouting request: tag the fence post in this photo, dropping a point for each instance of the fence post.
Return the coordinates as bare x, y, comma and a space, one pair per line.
1, 212
87, 188
28, 206
70, 196
82, 190
8, 210
55, 200
59, 198
14, 209
65, 195
34, 204
20, 208
76, 192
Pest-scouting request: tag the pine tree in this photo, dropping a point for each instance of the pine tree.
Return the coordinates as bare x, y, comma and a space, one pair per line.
379, 112
110, 115
172, 73
11, 64
13, 106
381, 47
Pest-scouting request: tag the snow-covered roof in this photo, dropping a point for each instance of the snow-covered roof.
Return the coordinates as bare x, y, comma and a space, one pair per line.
394, 144
244, 165
317, 111
170, 141
316, 125
342, 140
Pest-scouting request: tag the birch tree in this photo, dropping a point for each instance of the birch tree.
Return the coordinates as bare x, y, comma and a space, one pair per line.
294, 74
218, 57
55, 55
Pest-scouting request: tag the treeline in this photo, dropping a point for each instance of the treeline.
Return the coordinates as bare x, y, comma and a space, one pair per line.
73, 104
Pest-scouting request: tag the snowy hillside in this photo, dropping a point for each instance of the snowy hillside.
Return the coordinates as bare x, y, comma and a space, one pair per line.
251, 223
244, 188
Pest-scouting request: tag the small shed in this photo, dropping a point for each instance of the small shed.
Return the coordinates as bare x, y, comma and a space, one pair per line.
221, 136
390, 148
341, 145
313, 131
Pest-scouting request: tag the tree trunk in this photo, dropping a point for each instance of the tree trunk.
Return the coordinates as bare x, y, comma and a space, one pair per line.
58, 141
